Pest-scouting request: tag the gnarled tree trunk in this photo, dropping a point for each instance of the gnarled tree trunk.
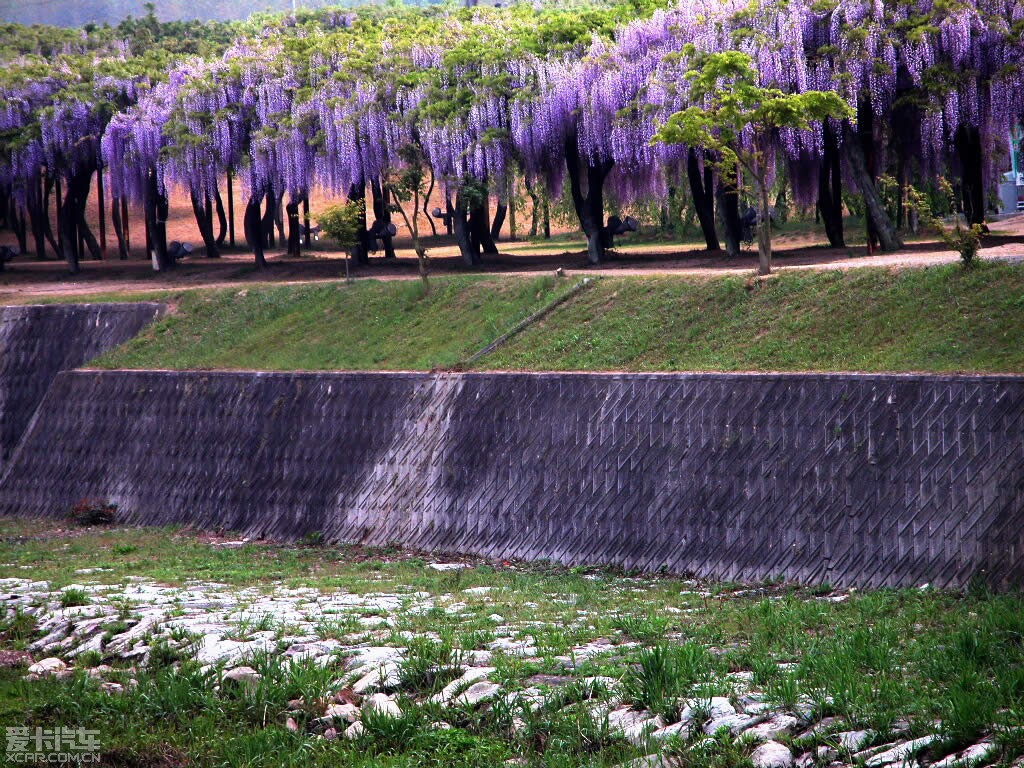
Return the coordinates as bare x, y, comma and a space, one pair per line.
586, 183
267, 221
73, 229
469, 246
294, 229
115, 216
534, 208
727, 195
426, 202
16, 220
972, 183
204, 219
307, 234
830, 187
382, 213
222, 221
880, 225
155, 205
703, 194
500, 212
361, 253
252, 225
479, 225
34, 207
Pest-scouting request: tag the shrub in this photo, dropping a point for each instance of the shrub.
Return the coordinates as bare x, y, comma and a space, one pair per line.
964, 240
313, 539
344, 223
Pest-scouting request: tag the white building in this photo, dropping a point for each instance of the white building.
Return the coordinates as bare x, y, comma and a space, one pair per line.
1011, 189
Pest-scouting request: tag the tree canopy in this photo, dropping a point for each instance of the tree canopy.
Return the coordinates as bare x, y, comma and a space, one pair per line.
612, 95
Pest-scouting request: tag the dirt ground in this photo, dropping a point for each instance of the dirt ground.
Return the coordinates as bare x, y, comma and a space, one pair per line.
27, 279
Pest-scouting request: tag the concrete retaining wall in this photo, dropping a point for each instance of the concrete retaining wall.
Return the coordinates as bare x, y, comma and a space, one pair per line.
38, 341
847, 479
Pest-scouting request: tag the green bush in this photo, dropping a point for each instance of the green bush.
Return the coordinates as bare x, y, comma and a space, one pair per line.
343, 222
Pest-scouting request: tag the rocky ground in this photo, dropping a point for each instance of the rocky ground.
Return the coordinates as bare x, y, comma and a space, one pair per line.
370, 665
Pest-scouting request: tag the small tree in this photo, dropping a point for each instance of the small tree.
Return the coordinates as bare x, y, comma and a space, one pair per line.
964, 240
343, 222
732, 103
408, 184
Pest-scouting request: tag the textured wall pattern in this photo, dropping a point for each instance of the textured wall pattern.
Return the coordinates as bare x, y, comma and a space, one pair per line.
38, 341
847, 479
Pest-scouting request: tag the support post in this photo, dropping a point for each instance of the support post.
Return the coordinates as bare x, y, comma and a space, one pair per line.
124, 222
306, 233
60, 208
231, 209
101, 209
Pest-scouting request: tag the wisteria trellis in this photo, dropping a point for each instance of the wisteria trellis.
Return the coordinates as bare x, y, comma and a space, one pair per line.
296, 108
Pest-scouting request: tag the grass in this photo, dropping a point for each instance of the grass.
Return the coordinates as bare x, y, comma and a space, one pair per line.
367, 325
938, 319
429, 665
872, 659
73, 597
665, 675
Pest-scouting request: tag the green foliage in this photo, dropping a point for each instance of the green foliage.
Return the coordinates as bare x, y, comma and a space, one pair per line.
964, 240
343, 222
728, 99
407, 181
727, 86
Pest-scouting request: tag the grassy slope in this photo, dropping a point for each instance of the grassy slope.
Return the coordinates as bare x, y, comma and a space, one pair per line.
936, 319
363, 326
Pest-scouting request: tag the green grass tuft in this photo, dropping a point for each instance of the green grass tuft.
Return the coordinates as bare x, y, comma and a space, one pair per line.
73, 596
